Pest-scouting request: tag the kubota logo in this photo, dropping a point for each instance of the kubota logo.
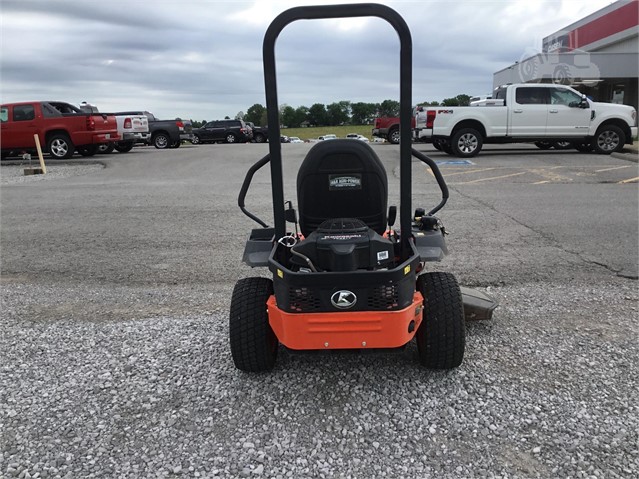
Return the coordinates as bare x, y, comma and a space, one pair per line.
343, 299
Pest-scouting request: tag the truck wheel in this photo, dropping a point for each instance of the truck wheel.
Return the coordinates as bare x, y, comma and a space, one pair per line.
124, 147
60, 146
105, 148
609, 138
195, 140
230, 138
584, 147
393, 136
253, 342
543, 145
466, 143
441, 337
562, 145
259, 138
161, 141
89, 150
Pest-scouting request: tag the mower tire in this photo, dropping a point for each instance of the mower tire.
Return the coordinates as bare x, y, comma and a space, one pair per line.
253, 342
441, 337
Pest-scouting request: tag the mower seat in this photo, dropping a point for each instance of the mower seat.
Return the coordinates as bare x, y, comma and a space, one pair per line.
342, 179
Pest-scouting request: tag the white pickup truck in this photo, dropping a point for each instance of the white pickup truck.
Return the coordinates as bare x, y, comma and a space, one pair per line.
132, 129
542, 113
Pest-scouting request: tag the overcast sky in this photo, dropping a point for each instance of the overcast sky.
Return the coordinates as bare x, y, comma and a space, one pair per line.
202, 59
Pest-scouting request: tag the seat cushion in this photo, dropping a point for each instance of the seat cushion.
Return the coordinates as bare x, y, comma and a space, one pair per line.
342, 179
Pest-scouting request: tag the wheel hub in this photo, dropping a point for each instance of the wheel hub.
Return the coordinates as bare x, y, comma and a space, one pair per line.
608, 141
468, 143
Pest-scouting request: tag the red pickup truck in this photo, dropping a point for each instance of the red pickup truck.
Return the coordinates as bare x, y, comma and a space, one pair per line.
387, 127
61, 128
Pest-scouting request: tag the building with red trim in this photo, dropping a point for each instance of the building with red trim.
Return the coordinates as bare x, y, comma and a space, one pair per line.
597, 55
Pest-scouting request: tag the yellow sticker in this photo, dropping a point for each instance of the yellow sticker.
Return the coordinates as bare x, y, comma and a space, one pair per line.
407, 270
280, 273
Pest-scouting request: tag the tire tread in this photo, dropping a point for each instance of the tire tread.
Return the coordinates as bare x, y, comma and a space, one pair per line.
441, 337
253, 342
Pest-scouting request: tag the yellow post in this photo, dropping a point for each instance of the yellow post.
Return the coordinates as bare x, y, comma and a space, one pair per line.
39, 148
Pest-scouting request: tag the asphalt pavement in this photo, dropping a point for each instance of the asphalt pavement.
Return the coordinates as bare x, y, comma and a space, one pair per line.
116, 279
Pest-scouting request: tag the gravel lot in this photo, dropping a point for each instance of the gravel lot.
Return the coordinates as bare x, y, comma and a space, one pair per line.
14, 174
114, 358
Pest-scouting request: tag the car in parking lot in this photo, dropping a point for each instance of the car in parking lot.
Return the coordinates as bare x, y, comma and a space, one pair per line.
227, 131
295, 139
327, 137
356, 136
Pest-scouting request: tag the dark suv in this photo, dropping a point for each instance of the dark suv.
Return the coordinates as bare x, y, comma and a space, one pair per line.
229, 131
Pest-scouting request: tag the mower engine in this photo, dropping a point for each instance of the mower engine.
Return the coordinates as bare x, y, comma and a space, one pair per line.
343, 244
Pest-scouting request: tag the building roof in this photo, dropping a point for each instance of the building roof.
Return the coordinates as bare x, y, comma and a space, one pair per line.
612, 24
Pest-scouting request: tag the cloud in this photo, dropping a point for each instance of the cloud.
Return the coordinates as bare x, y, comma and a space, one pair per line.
203, 59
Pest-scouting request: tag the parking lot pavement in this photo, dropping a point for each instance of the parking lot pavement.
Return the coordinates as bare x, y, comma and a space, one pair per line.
114, 358
531, 166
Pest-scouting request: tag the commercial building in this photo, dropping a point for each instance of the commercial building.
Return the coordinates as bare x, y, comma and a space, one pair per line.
597, 55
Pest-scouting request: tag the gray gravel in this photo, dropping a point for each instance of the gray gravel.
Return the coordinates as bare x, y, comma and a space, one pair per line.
114, 357
14, 174
542, 393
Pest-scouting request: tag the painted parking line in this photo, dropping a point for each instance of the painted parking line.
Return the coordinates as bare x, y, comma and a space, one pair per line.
492, 178
614, 168
550, 176
480, 170
454, 162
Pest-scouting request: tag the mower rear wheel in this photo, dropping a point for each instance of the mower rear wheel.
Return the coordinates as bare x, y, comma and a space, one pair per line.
441, 337
253, 342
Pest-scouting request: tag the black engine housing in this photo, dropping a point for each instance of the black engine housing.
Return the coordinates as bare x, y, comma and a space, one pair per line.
344, 244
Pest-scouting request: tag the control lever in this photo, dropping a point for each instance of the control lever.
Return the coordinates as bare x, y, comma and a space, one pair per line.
291, 215
392, 215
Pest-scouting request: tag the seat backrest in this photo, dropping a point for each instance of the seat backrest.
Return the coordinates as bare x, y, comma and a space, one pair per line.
342, 179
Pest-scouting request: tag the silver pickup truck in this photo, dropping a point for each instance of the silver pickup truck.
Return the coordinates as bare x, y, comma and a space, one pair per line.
132, 129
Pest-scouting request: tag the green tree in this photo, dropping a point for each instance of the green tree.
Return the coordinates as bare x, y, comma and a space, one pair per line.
389, 108
287, 116
338, 113
464, 100
301, 115
459, 100
317, 115
263, 119
362, 113
254, 114
428, 103
450, 102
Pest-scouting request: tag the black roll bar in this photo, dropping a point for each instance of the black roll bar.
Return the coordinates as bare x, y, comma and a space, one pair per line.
245, 186
405, 100
438, 176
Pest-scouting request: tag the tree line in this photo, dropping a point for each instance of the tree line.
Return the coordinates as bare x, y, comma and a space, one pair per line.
334, 114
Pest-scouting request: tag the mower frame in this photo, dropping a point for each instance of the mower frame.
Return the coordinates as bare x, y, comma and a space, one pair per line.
263, 315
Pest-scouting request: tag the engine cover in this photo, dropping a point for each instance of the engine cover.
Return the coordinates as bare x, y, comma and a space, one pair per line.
345, 244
